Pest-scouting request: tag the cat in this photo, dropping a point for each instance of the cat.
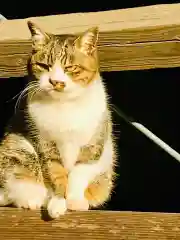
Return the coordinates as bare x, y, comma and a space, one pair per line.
59, 152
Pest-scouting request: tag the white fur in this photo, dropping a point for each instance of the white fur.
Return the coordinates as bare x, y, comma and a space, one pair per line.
70, 123
27, 146
26, 194
56, 207
82, 174
78, 204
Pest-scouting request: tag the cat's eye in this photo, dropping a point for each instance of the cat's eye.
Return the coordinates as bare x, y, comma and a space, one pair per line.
73, 69
44, 66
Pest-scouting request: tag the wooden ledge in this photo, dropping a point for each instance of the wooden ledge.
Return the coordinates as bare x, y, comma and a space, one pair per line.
18, 224
130, 39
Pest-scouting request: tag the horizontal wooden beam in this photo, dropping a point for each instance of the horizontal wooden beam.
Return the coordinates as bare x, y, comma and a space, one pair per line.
17, 224
136, 38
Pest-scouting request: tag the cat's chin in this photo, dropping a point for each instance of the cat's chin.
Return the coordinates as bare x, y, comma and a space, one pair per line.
47, 93
53, 94
59, 95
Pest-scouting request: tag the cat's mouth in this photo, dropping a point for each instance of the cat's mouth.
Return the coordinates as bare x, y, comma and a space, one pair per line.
57, 85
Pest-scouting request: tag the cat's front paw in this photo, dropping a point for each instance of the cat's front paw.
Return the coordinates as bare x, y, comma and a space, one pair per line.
28, 195
56, 207
77, 204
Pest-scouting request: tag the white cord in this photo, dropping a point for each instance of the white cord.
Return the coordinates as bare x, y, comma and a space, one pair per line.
148, 134
2, 17
157, 140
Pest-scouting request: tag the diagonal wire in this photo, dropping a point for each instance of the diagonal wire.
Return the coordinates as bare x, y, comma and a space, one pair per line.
2, 17
148, 134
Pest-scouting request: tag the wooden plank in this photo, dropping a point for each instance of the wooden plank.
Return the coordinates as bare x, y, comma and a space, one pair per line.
136, 38
18, 224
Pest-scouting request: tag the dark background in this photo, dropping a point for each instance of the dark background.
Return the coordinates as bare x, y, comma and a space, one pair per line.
148, 177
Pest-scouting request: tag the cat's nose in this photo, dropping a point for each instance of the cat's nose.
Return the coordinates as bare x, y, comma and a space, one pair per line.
58, 85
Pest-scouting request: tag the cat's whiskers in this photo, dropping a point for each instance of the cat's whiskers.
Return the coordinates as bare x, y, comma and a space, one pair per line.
34, 92
30, 83
25, 92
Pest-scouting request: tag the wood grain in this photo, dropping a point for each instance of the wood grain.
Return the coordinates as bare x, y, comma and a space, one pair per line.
18, 224
136, 38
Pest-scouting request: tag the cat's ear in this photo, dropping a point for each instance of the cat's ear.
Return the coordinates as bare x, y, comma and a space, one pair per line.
39, 37
87, 42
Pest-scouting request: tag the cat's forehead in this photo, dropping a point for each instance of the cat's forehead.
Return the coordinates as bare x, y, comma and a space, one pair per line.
58, 47
62, 42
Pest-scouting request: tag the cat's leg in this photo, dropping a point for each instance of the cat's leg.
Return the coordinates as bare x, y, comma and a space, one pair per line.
56, 175
20, 174
82, 175
99, 190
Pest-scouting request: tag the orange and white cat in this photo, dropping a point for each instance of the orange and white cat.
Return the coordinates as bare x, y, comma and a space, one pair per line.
59, 152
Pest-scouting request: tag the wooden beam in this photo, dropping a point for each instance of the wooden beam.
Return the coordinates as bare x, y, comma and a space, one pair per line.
136, 38
18, 224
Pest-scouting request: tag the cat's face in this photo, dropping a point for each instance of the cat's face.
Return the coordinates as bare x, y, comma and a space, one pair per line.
64, 64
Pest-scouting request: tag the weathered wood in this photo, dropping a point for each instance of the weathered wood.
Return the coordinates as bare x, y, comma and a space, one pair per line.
136, 38
17, 224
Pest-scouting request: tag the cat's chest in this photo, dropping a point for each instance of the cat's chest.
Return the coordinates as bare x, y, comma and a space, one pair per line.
65, 122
